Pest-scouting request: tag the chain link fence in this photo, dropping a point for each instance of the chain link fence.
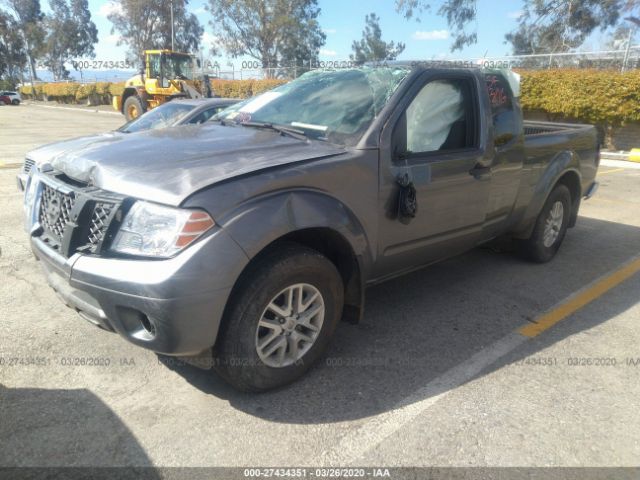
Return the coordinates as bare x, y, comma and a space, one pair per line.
620, 60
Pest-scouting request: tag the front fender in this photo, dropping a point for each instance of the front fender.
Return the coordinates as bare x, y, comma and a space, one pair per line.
260, 221
116, 102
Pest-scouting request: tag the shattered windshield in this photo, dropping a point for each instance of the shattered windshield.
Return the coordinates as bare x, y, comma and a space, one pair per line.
337, 105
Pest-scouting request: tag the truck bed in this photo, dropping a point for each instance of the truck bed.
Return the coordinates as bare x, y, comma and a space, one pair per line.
545, 141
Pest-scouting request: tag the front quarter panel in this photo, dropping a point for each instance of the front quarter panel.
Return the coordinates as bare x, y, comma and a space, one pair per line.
338, 192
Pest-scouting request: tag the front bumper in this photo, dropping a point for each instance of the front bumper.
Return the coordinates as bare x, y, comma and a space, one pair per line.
171, 306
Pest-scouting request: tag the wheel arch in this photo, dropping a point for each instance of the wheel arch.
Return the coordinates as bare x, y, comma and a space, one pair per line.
571, 179
311, 219
335, 248
563, 169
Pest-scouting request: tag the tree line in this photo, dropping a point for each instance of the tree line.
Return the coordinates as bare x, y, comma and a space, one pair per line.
276, 32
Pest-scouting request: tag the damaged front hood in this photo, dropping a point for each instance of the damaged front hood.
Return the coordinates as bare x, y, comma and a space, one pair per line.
168, 165
45, 153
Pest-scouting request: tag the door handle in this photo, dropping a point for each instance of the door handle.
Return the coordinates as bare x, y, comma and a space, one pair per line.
479, 171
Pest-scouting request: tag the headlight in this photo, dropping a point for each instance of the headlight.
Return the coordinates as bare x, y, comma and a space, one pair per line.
156, 231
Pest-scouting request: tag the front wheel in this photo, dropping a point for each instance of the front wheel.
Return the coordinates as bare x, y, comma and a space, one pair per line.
15, 101
550, 228
133, 107
281, 319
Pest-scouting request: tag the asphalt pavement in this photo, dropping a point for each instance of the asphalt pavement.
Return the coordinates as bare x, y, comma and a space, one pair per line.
27, 126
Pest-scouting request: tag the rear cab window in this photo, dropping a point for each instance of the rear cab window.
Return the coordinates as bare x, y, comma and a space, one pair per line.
506, 119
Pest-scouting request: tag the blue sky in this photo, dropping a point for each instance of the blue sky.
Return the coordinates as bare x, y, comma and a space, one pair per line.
343, 22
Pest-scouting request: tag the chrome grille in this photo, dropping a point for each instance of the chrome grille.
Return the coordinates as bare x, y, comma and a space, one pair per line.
98, 226
73, 218
55, 210
28, 165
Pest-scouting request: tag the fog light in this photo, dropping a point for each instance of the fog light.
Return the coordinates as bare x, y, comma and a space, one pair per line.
149, 327
137, 324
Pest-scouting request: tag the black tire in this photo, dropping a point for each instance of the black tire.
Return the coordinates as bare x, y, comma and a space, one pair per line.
236, 358
132, 107
534, 248
15, 101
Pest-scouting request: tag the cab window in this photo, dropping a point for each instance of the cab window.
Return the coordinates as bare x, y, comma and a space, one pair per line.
154, 66
506, 121
440, 118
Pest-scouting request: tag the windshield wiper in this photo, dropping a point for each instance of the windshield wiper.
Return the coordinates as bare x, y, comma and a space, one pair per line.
282, 129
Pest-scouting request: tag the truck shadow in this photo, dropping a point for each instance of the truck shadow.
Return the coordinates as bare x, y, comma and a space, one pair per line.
53, 431
419, 326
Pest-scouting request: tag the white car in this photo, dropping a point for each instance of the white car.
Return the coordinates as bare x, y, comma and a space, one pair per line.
13, 96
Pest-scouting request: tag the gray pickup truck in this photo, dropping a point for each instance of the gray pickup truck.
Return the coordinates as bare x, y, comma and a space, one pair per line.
248, 238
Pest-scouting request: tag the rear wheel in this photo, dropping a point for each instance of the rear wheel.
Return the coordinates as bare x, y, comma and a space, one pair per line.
133, 107
15, 101
281, 321
550, 228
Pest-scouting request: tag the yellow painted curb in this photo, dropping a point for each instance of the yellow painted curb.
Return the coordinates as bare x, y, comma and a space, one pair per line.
634, 155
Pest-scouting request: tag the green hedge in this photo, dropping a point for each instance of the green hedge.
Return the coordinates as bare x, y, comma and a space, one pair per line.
601, 97
71, 92
31, 92
243, 88
7, 85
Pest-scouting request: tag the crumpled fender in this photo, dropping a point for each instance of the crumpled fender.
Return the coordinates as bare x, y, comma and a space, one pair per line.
260, 221
257, 223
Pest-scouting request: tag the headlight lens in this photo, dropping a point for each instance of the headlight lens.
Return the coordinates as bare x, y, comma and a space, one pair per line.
156, 231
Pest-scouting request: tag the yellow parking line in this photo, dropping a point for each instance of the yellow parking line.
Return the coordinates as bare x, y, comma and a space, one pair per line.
580, 299
611, 171
9, 165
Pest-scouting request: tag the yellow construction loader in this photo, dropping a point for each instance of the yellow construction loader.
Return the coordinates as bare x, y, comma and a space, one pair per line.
165, 75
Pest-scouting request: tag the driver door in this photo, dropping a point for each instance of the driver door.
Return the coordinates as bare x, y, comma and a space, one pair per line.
434, 142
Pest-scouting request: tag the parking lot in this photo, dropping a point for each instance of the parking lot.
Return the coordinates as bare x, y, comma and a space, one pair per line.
441, 372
